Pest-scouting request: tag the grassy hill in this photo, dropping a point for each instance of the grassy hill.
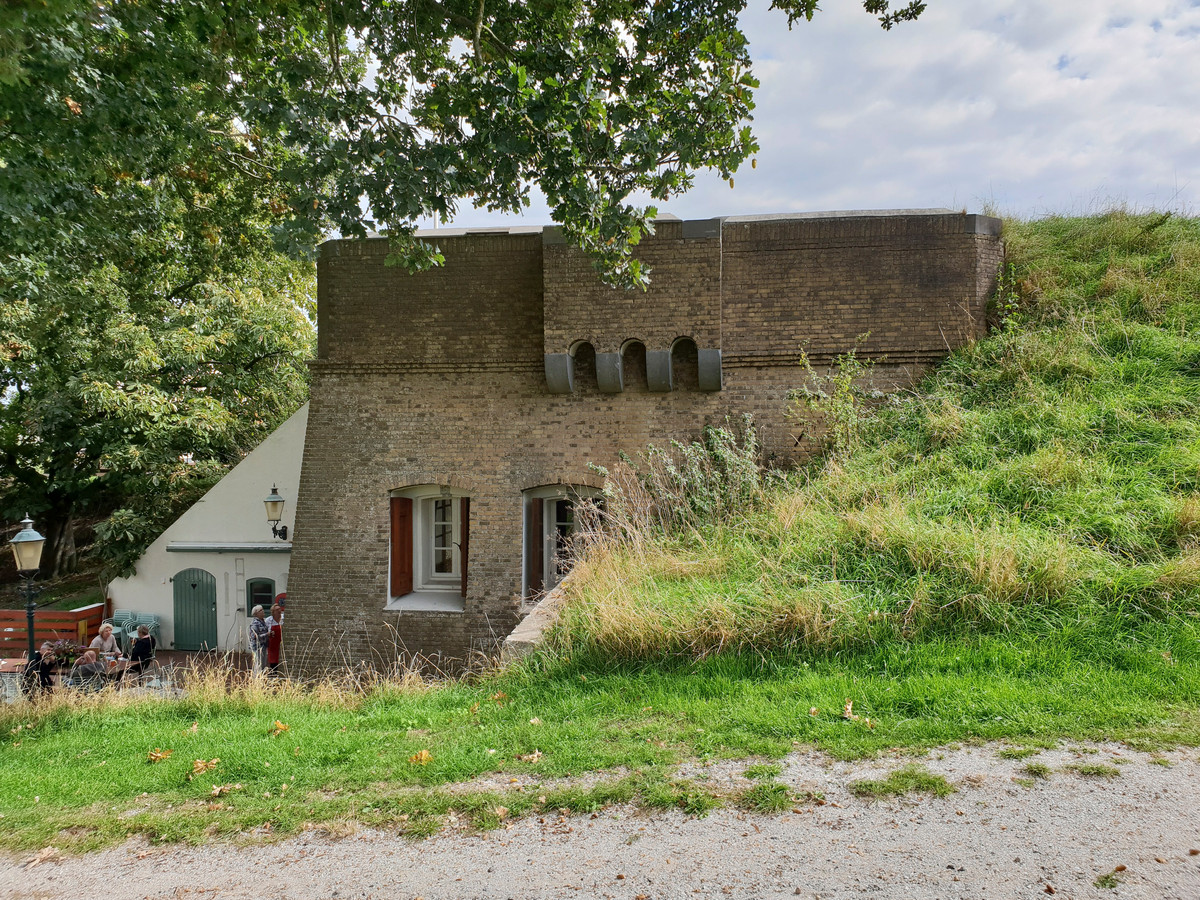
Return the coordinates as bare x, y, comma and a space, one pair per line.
1044, 480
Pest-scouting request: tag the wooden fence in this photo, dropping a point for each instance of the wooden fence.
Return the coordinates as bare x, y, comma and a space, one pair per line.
79, 625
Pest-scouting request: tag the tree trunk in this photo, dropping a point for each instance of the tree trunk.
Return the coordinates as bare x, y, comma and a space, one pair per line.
60, 557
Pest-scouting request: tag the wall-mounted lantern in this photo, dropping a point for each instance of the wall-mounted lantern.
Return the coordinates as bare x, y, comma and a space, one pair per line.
274, 505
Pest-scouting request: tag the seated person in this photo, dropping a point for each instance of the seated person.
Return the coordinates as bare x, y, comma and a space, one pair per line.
142, 651
39, 671
105, 643
89, 671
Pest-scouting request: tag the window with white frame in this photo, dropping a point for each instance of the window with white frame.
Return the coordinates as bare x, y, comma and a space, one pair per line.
429, 541
551, 522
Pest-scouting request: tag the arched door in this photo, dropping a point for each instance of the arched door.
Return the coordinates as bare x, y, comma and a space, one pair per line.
195, 610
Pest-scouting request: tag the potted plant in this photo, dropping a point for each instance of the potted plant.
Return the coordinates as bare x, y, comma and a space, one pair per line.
65, 652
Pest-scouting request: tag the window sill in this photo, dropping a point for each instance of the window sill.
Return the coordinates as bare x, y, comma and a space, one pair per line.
427, 601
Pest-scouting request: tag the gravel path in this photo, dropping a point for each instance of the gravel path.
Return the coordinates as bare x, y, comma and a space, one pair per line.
995, 837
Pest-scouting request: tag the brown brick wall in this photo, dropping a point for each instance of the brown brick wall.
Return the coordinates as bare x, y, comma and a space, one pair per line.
483, 307
683, 299
437, 379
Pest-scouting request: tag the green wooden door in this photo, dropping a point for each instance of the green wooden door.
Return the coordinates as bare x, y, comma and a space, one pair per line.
195, 610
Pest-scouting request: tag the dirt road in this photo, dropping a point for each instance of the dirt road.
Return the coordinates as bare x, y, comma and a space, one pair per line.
1001, 834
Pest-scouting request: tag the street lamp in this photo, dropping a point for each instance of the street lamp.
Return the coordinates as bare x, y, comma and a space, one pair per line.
274, 505
27, 550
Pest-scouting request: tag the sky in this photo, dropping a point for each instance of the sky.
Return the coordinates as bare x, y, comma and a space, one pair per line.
1017, 107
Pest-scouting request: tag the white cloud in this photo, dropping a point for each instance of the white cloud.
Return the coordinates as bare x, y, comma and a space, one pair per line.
1029, 105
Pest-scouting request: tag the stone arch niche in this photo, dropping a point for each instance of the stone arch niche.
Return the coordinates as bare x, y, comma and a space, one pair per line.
684, 362
633, 366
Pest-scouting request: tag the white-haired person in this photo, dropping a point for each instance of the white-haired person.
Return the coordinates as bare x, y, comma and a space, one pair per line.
89, 671
260, 636
105, 643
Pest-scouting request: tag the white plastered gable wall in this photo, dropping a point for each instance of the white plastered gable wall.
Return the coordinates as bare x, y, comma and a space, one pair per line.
225, 533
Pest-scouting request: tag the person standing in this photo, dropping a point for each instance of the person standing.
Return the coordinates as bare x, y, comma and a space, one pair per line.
259, 635
274, 639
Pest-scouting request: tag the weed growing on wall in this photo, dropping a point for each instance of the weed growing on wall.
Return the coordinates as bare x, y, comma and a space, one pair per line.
839, 402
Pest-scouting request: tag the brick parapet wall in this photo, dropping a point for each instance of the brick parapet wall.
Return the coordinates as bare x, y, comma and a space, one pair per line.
481, 309
903, 288
682, 301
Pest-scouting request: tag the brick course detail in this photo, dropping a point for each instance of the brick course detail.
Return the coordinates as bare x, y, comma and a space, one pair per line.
437, 378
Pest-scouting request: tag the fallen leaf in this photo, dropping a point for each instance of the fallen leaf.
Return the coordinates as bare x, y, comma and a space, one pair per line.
1159, 859
501, 812
1120, 868
201, 766
73, 106
195, 726
848, 711
279, 729
421, 758
158, 755
530, 757
45, 855
812, 710
499, 695
535, 721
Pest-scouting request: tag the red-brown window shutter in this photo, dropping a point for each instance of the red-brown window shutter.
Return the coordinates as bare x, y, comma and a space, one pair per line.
402, 546
536, 547
464, 515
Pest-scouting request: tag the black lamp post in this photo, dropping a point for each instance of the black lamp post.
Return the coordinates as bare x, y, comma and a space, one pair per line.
27, 550
274, 505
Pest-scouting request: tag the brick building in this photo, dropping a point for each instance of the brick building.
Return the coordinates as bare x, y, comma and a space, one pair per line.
454, 412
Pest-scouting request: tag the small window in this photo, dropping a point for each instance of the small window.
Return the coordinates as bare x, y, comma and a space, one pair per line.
551, 522
429, 542
259, 592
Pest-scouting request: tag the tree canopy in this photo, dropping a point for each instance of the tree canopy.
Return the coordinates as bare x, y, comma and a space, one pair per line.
365, 115
167, 168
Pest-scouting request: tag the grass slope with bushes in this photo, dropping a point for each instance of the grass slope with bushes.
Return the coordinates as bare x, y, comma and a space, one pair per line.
1012, 551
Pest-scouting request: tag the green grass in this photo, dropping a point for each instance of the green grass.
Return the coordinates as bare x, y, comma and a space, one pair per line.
763, 772
1037, 770
1017, 752
767, 797
1094, 770
1012, 554
1108, 880
909, 779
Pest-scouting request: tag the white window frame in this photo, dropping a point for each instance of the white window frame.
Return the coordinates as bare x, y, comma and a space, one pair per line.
432, 592
424, 548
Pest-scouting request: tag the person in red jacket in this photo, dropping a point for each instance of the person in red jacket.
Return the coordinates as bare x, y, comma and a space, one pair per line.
274, 639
